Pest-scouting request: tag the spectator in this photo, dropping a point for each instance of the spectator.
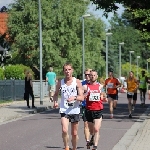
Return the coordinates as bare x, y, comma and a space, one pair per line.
29, 88
51, 79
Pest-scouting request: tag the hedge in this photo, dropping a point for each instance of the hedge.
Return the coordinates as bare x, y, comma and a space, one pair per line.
16, 71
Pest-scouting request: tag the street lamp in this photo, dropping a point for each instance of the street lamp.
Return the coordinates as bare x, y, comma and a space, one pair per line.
137, 66
120, 44
130, 58
148, 60
83, 51
40, 41
107, 34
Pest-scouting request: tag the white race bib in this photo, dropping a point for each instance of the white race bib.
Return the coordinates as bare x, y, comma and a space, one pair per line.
130, 93
69, 104
110, 85
94, 97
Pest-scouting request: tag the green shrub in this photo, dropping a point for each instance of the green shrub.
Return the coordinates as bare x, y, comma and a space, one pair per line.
1, 74
16, 71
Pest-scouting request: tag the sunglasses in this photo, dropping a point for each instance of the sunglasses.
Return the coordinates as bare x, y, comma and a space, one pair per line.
87, 74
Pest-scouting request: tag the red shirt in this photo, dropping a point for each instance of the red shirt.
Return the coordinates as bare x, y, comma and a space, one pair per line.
93, 100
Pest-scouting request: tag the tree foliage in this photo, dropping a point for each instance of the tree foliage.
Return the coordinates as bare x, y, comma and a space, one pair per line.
61, 33
111, 5
124, 31
139, 9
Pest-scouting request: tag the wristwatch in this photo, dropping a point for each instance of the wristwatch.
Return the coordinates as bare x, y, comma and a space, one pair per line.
75, 98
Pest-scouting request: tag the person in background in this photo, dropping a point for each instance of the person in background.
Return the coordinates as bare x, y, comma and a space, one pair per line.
51, 79
132, 86
112, 84
143, 80
29, 88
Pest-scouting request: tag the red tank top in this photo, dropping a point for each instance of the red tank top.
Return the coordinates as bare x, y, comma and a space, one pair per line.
93, 100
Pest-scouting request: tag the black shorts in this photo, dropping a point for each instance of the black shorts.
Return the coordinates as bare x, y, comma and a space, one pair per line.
72, 117
93, 114
134, 96
113, 96
142, 90
83, 113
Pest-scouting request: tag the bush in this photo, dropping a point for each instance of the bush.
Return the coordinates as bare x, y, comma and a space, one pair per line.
16, 71
1, 74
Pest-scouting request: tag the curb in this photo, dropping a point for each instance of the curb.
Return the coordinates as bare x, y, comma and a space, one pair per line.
40, 109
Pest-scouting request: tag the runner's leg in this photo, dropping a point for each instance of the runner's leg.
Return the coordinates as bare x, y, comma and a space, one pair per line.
74, 133
97, 125
65, 136
110, 100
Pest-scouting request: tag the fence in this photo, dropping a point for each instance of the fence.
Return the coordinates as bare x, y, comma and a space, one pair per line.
14, 89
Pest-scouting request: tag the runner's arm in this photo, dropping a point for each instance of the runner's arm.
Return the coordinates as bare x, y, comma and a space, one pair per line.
80, 96
55, 98
84, 87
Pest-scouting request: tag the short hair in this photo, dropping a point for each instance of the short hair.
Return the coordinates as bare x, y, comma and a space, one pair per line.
88, 69
67, 64
51, 68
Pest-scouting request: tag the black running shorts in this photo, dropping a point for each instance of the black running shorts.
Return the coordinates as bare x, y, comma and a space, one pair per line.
72, 117
93, 114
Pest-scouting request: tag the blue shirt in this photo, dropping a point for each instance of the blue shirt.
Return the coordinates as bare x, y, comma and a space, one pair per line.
51, 76
84, 83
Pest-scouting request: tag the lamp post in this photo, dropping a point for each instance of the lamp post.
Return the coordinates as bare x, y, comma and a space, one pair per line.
148, 60
40, 41
130, 58
107, 34
120, 44
137, 66
83, 51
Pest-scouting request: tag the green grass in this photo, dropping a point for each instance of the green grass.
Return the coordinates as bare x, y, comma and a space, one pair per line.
5, 101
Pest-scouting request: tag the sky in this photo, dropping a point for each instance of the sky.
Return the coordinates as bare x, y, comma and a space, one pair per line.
92, 9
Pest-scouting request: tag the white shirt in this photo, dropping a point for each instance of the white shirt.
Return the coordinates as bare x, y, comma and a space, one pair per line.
67, 92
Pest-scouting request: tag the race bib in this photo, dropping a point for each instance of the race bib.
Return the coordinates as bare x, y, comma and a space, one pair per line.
141, 82
130, 93
110, 85
69, 104
94, 97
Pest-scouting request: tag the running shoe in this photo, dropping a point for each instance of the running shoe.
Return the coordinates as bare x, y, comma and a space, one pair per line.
130, 115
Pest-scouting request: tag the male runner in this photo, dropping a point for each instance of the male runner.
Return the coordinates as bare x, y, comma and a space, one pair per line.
71, 95
132, 86
143, 87
111, 85
86, 126
94, 105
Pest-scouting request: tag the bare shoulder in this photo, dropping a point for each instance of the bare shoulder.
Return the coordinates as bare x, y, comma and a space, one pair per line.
78, 83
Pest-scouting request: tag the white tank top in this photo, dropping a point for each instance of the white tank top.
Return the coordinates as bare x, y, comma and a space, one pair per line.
66, 92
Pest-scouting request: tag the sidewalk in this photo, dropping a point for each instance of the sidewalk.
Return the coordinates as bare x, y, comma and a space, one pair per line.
138, 136
18, 109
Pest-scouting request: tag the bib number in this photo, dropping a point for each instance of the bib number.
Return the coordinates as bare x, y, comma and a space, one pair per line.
94, 97
110, 85
130, 93
69, 104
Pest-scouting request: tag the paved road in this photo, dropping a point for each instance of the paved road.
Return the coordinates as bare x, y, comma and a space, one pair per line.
43, 131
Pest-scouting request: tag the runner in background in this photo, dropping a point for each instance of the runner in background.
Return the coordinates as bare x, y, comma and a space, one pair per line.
132, 86
111, 85
143, 80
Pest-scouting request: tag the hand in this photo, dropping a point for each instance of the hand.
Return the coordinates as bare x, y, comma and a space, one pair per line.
72, 98
105, 99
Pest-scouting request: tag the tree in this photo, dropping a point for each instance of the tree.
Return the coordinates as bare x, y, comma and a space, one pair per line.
139, 9
123, 31
111, 5
61, 32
